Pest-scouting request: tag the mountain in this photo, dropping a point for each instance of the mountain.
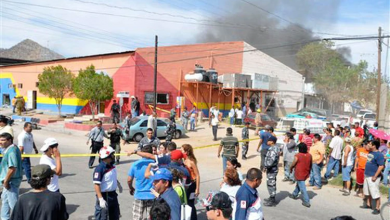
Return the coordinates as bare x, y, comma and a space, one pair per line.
29, 50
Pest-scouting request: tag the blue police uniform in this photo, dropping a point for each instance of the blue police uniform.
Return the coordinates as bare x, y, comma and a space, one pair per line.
246, 196
105, 175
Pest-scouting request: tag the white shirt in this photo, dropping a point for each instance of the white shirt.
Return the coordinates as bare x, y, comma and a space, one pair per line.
231, 113
255, 212
7, 129
239, 114
215, 120
337, 145
27, 141
349, 157
231, 191
353, 132
53, 186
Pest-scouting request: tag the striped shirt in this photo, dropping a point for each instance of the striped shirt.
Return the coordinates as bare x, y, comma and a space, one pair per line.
229, 144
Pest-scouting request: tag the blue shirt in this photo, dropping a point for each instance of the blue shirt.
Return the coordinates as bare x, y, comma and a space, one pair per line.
142, 184
170, 196
265, 136
181, 168
374, 160
245, 197
105, 175
11, 158
163, 160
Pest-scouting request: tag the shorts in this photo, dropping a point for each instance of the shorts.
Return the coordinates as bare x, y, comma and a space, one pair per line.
371, 188
360, 177
347, 173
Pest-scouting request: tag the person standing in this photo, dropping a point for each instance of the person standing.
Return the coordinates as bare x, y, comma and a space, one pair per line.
137, 106
258, 121
359, 129
239, 116
96, 135
116, 135
13, 104
152, 122
19, 105
289, 152
5, 127
307, 138
347, 162
220, 207
230, 147
214, 117
115, 109
336, 146
149, 139
162, 182
10, 174
127, 122
248, 202
50, 149
26, 145
360, 166
193, 117
41, 203
264, 136
143, 199
271, 165
231, 116
374, 166
105, 183
134, 113
185, 115
302, 164
317, 152
245, 136
230, 185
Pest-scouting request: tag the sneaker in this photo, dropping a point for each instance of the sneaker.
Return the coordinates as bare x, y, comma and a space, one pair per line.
267, 199
306, 204
343, 190
270, 202
293, 197
316, 188
90, 167
365, 206
376, 212
346, 193
285, 179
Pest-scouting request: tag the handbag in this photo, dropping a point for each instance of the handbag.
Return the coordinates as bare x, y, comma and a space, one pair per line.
185, 212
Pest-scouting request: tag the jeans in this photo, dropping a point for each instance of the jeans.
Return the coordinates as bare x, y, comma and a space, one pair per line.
315, 175
224, 161
287, 173
300, 187
26, 165
185, 124
386, 174
231, 120
215, 129
263, 153
192, 124
112, 212
9, 197
333, 164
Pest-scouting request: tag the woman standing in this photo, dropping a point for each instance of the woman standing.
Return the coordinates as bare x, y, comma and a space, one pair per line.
193, 189
234, 164
230, 185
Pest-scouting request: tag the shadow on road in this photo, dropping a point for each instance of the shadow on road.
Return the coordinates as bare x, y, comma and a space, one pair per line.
66, 175
71, 208
126, 161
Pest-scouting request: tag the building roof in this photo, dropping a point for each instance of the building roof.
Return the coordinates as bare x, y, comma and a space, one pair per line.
5, 61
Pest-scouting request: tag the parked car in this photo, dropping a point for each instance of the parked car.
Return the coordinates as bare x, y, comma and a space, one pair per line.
266, 120
302, 115
362, 112
321, 113
139, 126
369, 119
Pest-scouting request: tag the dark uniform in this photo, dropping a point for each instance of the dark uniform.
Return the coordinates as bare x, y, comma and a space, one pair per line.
115, 108
115, 141
245, 145
97, 136
271, 164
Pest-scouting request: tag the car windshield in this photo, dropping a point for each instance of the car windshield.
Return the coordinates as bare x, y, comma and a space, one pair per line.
134, 121
362, 112
370, 116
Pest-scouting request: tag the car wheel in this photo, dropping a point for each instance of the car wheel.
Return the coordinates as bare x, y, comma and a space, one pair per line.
137, 137
177, 134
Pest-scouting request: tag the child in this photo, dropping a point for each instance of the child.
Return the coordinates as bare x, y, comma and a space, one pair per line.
245, 136
176, 178
271, 165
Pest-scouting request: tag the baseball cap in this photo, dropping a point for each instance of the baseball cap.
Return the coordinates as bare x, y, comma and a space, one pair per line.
162, 174
176, 155
273, 139
47, 143
41, 171
221, 201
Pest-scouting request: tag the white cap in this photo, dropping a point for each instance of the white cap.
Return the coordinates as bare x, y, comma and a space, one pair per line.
47, 143
132, 97
105, 152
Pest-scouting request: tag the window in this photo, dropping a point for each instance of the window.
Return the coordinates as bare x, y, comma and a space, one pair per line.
10, 86
20, 85
161, 123
144, 123
162, 98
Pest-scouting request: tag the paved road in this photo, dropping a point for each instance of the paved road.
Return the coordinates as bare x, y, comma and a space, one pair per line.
76, 182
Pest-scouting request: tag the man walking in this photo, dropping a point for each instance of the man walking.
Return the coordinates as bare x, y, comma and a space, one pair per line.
214, 117
264, 136
248, 202
26, 145
289, 152
360, 166
152, 122
10, 175
115, 109
231, 116
374, 166
230, 147
317, 152
143, 199
271, 165
336, 146
302, 165
193, 117
97, 135
245, 136
185, 115
41, 203
116, 135
149, 139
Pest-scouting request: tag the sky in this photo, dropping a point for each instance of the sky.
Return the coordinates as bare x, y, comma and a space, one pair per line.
85, 27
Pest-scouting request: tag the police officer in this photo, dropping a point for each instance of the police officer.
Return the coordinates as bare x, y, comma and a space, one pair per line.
245, 136
271, 164
97, 135
116, 135
106, 182
115, 108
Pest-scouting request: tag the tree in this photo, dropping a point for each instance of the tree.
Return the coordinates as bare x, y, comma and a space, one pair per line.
56, 82
94, 87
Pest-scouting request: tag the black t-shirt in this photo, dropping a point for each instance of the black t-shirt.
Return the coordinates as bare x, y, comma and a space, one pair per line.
44, 205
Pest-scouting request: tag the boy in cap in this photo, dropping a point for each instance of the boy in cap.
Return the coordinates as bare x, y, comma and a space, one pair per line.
106, 182
162, 182
220, 207
271, 165
245, 136
50, 149
41, 203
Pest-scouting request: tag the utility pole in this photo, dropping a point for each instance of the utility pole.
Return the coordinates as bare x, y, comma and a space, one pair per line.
155, 73
379, 74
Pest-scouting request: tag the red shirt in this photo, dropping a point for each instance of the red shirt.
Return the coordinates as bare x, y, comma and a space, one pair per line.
308, 141
303, 166
360, 130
